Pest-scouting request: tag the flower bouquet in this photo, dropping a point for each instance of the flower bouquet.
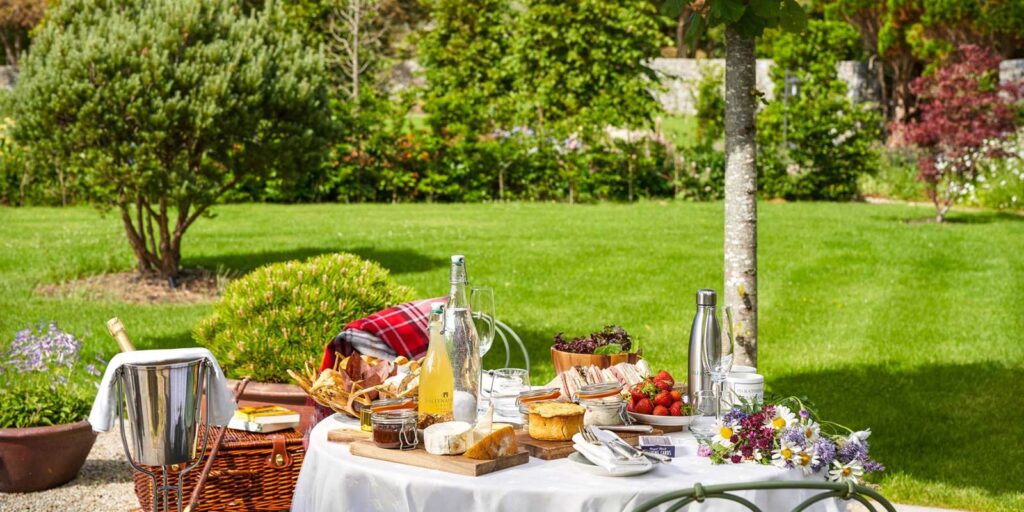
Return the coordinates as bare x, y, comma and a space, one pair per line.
773, 434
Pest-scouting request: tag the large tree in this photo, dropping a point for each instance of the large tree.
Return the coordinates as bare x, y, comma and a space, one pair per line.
163, 106
744, 20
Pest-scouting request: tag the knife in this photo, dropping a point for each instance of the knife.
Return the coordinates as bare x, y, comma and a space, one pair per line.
616, 444
643, 429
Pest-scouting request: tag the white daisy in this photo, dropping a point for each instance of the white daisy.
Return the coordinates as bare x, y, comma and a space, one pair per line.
723, 434
806, 460
859, 437
783, 418
811, 430
785, 453
842, 472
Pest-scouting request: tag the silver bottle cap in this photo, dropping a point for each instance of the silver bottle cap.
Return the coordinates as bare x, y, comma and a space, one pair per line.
706, 297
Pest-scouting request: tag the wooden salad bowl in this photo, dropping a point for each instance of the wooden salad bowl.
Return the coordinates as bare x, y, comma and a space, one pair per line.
565, 360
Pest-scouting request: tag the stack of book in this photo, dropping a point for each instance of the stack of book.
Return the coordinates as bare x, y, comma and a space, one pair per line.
264, 419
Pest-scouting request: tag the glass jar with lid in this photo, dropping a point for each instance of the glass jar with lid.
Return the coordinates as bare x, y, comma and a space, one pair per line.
535, 396
394, 423
604, 404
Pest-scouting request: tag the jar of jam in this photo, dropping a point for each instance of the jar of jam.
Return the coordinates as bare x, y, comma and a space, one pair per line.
395, 429
534, 396
604, 404
388, 418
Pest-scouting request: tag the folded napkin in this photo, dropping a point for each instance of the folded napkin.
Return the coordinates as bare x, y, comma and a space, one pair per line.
104, 407
603, 457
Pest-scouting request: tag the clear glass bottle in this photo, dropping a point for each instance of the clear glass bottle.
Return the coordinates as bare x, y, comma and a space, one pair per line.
463, 344
436, 378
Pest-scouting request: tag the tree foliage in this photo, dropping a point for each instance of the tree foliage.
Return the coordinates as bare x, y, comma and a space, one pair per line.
963, 110
581, 64
814, 141
17, 18
162, 106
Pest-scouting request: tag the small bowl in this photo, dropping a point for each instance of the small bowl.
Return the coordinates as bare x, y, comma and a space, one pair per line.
563, 361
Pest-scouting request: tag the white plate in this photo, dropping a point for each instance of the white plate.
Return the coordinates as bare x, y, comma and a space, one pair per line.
585, 464
666, 421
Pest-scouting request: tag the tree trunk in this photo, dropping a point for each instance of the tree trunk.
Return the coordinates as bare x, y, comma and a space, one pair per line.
681, 34
741, 194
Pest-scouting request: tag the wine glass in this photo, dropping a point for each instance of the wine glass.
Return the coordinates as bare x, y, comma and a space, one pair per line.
481, 303
705, 410
718, 355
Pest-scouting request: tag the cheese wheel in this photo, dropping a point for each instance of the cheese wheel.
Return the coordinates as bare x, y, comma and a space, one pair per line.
448, 438
500, 443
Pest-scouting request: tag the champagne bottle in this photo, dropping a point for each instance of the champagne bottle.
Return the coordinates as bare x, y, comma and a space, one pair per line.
116, 329
436, 380
463, 344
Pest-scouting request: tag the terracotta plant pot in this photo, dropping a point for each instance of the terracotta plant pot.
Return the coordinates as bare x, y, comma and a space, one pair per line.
40, 458
565, 360
290, 396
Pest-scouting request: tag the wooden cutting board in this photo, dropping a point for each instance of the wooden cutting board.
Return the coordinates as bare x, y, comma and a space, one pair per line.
550, 450
457, 464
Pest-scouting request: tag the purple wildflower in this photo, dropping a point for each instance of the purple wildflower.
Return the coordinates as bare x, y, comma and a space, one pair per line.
794, 435
871, 466
703, 450
852, 451
92, 370
826, 451
804, 413
736, 459
44, 348
734, 416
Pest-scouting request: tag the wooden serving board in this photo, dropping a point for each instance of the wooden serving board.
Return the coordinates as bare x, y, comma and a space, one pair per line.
550, 450
457, 464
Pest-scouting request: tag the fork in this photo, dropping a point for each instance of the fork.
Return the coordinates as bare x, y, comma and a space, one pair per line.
589, 437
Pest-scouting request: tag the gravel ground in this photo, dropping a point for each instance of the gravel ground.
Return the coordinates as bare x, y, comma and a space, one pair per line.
105, 483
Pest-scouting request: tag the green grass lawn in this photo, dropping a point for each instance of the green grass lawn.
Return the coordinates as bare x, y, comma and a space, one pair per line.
914, 330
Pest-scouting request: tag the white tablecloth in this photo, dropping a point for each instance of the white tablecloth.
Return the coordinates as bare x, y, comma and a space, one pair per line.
333, 479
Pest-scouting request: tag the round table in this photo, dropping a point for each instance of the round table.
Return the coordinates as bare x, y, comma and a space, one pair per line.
333, 479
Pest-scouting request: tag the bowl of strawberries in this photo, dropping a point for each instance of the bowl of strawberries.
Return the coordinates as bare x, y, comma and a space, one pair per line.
659, 401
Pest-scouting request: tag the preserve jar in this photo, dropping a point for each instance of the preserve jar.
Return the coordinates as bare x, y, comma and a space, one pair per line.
604, 404
535, 396
395, 429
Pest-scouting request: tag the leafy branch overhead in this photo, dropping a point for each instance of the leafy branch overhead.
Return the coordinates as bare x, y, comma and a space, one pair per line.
749, 17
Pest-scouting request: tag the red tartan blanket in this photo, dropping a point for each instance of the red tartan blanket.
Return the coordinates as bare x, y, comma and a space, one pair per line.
403, 329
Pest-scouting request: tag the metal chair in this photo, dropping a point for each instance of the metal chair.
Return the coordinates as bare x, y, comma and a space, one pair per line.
504, 332
700, 493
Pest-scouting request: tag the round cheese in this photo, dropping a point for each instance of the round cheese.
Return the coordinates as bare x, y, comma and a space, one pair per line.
448, 438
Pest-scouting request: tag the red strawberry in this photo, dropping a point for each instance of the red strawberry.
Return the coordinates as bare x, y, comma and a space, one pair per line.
663, 399
660, 411
649, 389
676, 409
631, 405
637, 393
664, 375
676, 395
663, 385
644, 406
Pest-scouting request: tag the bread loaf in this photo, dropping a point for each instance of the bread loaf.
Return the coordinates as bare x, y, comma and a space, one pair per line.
555, 421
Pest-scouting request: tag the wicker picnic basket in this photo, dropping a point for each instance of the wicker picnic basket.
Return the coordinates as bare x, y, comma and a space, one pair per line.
250, 472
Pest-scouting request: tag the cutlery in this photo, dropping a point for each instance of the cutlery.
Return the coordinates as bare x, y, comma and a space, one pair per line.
613, 442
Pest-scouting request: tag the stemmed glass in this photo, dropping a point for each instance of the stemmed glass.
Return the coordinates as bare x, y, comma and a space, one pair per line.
481, 303
717, 357
703, 425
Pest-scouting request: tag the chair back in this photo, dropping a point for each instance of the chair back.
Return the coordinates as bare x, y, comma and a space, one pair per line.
701, 493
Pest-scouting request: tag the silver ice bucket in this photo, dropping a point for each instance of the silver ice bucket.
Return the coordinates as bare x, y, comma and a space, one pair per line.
163, 409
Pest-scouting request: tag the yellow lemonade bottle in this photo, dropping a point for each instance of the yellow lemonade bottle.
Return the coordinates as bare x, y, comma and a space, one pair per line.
437, 384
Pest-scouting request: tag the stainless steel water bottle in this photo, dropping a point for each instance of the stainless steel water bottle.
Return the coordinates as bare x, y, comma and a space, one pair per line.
705, 332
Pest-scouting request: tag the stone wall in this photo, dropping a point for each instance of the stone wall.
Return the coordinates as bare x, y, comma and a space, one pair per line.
681, 76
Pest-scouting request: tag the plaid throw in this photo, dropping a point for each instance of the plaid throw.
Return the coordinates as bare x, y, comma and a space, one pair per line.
398, 331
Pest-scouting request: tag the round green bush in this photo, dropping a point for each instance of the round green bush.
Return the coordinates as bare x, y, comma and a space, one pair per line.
279, 316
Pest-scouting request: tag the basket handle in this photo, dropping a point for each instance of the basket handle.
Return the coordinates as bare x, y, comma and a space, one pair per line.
239, 389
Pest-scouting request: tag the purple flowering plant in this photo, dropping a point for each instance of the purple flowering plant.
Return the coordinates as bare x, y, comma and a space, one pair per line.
42, 379
772, 433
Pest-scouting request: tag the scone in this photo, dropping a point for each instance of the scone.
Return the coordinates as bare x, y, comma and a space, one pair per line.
555, 421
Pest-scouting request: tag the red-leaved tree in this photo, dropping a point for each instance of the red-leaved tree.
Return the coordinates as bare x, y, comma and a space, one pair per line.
962, 108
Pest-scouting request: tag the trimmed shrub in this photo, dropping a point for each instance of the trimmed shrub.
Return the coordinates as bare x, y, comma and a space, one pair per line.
280, 315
